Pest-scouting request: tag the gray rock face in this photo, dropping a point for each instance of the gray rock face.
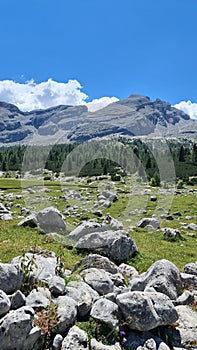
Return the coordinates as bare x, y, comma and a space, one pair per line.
17, 330
95, 345
5, 303
144, 311
163, 276
99, 280
149, 222
51, 220
105, 311
117, 245
11, 277
76, 339
67, 311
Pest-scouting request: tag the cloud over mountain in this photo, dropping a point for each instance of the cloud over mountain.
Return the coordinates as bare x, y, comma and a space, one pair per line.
188, 107
30, 95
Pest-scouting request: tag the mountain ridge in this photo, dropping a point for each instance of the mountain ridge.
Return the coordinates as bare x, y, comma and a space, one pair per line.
136, 115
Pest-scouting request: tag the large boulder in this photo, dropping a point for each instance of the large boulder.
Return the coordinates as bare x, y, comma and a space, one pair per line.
163, 276
51, 220
17, 330
146, 310
99, 280
41, 265
76, 339
11, 276
105, 311
117, 245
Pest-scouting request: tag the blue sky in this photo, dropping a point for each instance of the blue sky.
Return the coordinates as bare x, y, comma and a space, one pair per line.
111, 47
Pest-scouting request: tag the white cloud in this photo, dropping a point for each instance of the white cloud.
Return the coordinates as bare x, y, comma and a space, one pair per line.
188, 107
99, 103
29, 96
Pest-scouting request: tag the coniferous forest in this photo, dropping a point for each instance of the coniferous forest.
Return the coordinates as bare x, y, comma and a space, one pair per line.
82, 160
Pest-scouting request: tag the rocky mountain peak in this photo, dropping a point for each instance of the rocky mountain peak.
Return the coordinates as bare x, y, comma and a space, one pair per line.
135, 116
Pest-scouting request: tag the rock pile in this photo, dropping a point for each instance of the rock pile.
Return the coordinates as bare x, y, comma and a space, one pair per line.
144, 311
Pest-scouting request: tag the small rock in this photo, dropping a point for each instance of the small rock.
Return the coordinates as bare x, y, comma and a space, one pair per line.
67, 312
37, 300
17, 300
57, 342
148, 221
76, 339
30, 221
192, 227
57, 285
95, 345
191, 268
185, 299
189, 281
127, 270
11, 277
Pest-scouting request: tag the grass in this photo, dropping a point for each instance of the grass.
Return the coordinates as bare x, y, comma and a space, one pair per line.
16, 240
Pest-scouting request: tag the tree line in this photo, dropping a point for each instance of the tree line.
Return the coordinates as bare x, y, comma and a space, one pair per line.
95, 158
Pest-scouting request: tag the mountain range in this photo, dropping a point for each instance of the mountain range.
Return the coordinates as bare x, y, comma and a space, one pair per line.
135, 116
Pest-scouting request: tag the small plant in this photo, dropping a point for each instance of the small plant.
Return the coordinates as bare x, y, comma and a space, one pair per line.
47, 321
100, 331
28, 265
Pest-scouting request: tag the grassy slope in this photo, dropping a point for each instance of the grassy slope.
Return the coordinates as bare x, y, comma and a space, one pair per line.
16, 240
